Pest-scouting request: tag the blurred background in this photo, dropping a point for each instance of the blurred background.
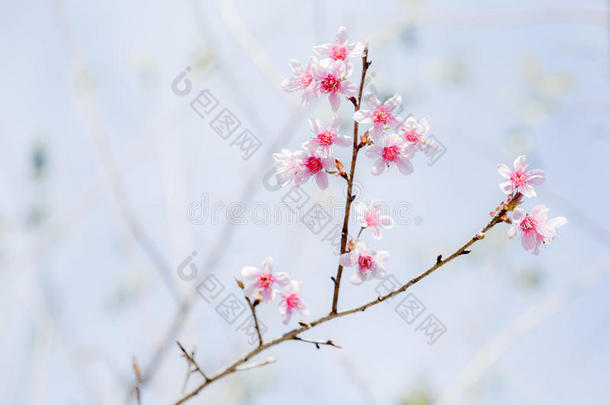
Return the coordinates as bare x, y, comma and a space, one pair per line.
114, 181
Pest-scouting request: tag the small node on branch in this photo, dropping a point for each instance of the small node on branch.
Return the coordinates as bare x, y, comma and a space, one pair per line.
439, 259
240, 284
465, 252
353, 100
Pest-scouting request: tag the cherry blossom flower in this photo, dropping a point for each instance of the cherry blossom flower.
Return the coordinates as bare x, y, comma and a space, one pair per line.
534, 228
340, 51
260, 282
520, 180
315, 166
331, 80
414, 131
393, 151
325, 137
290, 167
381, 115
366, 261
373, 218
302, 79
291, 301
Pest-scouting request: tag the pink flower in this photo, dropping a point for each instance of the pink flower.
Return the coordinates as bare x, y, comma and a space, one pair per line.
381, 115
331, 80
534, 228
259, 283
393, 151
325, 137
291, 301
290, 167
373, 218
340, 51
414, 131
366, 262
519, 179
315, 166
302, 80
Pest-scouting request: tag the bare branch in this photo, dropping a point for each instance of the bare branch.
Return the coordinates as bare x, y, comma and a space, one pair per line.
317, 343
191, 360
136, 370
238, 365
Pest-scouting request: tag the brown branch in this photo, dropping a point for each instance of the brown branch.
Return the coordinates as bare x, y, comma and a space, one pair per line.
190, 358
350, 180
136, 370
252, 306
498, 218
317, 343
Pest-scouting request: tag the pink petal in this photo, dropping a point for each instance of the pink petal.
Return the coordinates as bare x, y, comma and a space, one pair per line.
507, 187
357, 277
393, 102
536, 177
540, 212
268, 264
520, 163
378, 167
348, 259
375, 232
249, 272
363, 116
527, 190
343, 140
282, 279
341, 35
512, 231
386, 221
519, 214
322, 50
348, 88
557, 222
335, 101
504, 170
322, 180
405, 166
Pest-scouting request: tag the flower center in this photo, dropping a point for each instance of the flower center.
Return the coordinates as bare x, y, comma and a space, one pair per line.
518, 178
390, 153
338, 52
305, 79
381, 116
326, 138
313, 164
528, 224
330, 84
412, 136
292, 300
371, 218
365, 262
265, 280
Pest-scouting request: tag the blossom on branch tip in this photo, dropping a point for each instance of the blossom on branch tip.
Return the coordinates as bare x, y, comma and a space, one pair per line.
340, 51
325, 137
331, 80
302, 79
291, 301
367, 263
259, 283
520, 180
382, 116
372, 217
534, 228
392, 150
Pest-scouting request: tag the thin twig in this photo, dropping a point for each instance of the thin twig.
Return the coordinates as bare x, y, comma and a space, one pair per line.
499, 217
317, 343
136, 370
190, 358
252, 306
268, 360
350, 180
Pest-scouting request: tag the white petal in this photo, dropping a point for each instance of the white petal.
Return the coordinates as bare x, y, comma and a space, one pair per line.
503, 170
249, 272
520, 163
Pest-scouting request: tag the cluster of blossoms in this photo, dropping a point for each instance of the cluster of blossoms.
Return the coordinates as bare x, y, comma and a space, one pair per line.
535, 229
390, 139
262, 285
368, 263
